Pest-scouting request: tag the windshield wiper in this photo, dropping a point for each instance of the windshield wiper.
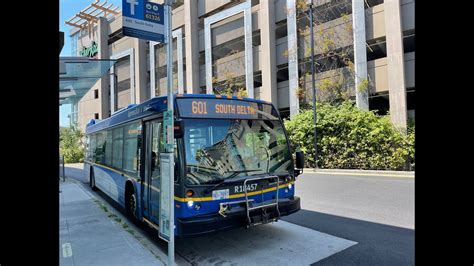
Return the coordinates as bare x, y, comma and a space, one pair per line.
231, 179
234, 173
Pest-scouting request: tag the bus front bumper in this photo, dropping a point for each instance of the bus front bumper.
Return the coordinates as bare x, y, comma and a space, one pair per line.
211, 223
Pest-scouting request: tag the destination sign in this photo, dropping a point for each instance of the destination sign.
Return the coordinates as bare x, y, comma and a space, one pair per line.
222, 108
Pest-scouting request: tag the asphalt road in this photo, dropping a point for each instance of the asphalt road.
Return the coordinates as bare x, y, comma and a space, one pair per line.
385, 200
376, 212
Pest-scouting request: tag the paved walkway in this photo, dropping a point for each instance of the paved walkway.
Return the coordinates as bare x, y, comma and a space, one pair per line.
91, 236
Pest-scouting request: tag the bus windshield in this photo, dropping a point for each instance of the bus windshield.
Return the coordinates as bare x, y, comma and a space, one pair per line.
217, 149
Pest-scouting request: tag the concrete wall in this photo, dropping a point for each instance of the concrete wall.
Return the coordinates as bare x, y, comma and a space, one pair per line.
335, 73
281, 47
88, 106
408, 14
337, 30
409, 69
377, 70
375, 22
375, 19
206, 6
283, 91
280, 10
121, 45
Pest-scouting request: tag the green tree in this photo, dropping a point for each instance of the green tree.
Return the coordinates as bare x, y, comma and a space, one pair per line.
71, 145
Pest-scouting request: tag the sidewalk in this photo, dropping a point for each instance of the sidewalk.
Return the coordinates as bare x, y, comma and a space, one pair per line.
408, 174
88, 235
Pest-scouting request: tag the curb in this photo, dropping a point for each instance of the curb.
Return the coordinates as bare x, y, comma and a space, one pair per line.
408, 174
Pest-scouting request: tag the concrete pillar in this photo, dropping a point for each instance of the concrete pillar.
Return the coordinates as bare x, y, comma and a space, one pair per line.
360, 53
268, 55
141, 91
292, 56
103, 36
395, 64
192, 45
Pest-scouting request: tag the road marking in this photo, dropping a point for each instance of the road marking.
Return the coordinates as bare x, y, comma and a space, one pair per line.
67, 250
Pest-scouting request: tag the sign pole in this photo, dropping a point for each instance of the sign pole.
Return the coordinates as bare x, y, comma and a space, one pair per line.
170, 129
144, 20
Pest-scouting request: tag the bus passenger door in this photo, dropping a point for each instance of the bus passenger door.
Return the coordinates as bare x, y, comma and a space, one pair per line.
152, 170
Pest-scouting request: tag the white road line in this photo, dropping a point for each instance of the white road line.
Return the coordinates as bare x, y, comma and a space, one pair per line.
67, 250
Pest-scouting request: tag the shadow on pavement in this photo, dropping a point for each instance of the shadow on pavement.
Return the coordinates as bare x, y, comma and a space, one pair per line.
76, 173
378, 244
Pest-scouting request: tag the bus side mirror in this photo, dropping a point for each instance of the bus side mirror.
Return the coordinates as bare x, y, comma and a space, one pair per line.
178, 129
299, 162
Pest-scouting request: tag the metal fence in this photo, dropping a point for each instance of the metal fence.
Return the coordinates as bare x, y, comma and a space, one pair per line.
62, 170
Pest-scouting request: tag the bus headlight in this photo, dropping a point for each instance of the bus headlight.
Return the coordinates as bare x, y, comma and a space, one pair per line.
290, 186
190, 204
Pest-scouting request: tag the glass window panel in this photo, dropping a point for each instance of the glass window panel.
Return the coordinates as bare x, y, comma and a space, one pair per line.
100, 148
108, 148
131, 149
117, 148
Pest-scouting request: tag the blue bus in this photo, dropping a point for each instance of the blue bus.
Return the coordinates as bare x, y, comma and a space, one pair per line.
233, 164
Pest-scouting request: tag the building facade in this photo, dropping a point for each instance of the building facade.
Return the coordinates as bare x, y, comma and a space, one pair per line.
364, 50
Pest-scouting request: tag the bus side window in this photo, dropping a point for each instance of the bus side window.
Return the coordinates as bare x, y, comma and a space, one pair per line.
153, 160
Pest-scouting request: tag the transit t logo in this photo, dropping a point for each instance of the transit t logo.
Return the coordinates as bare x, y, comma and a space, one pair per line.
132, 3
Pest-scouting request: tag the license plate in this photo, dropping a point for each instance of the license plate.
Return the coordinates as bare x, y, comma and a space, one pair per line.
220, 194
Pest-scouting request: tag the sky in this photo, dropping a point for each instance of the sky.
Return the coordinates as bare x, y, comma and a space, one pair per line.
67, 9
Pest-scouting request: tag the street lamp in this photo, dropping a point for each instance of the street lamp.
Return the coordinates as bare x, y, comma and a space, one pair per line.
310, 2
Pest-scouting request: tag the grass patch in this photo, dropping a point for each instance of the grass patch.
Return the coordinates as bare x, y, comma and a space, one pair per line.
124, 225
131, 231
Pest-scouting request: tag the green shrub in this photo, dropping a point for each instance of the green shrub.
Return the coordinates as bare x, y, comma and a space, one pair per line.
70, 145
351, 138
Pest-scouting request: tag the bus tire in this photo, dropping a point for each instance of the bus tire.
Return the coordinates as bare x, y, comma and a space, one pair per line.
92, 180
131, 203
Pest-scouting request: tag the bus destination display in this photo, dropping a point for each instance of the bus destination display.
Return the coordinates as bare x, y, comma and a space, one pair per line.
219, 108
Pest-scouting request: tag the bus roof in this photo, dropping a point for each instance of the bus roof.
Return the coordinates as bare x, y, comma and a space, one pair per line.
149, 107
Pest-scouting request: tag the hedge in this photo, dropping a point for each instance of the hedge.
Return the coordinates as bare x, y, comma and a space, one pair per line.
352, 138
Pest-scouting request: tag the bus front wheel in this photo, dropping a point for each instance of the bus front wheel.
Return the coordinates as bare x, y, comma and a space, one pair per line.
131, 204
92, 180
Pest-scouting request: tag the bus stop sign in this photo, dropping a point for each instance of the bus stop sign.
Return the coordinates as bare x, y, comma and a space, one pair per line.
144, 20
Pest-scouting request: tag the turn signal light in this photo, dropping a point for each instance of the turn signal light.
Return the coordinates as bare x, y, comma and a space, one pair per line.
189, 193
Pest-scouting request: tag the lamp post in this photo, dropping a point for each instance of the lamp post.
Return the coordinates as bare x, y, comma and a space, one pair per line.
310, 2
